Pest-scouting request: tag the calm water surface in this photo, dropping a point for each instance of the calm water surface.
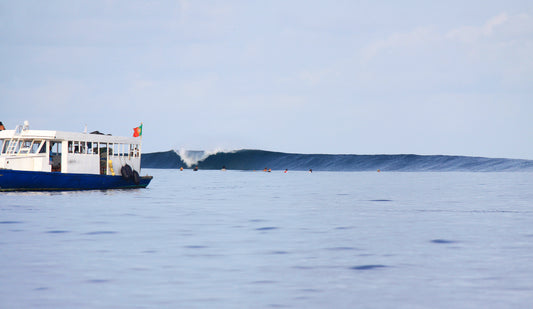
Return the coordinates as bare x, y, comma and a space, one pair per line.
213, 239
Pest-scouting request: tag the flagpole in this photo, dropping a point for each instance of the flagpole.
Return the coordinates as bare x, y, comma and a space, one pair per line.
141, 145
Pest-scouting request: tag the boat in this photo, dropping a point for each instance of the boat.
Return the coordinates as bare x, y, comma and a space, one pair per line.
43, 160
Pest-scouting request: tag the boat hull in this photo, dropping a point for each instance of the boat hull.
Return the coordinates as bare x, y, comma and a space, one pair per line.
14, 180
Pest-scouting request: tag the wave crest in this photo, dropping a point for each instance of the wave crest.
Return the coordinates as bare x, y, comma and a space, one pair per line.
193, 157
259, 159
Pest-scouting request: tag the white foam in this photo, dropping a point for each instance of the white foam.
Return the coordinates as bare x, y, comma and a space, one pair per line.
192, 157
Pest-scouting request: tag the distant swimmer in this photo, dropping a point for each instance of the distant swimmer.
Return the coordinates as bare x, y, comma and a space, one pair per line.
310, 170
195, 168
269, 170
181, 168
286, 170
265, 169
223, 168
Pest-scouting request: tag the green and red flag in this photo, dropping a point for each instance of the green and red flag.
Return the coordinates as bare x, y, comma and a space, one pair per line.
138, 131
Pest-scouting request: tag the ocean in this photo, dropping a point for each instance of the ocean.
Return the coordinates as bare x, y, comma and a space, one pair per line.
251, 239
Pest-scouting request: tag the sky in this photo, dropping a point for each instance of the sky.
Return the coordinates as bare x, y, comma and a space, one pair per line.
337, 77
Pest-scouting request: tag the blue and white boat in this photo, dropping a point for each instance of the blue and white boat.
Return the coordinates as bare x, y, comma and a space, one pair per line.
56, 160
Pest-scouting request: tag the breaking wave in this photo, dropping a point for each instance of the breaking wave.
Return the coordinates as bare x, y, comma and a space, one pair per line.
192, 157
259, 159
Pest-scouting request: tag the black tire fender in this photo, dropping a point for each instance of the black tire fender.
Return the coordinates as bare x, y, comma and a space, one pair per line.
136, 178
126, 172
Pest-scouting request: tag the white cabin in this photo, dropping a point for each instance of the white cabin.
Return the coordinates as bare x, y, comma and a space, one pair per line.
67, 152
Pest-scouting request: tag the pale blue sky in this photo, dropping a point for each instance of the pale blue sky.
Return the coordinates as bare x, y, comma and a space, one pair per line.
361, 77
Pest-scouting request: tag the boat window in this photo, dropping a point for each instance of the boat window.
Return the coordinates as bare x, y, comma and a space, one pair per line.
133, 150
34, 146
83, 147
55, 148
18, 145
70, 148
42, 147
4, 147
26, 145
37, 147
23, 146
11, 146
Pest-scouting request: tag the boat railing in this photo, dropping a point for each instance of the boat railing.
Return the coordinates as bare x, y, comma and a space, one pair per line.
15, 140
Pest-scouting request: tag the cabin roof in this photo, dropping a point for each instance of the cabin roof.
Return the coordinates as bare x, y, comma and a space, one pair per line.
71, 136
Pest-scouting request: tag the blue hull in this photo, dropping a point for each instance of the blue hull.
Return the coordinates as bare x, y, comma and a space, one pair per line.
12, 180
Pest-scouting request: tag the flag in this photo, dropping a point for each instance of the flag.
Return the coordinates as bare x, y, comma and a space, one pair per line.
138, 131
